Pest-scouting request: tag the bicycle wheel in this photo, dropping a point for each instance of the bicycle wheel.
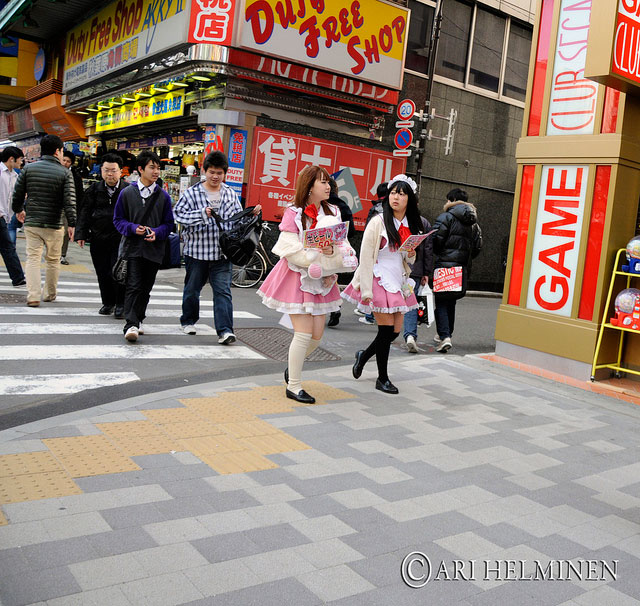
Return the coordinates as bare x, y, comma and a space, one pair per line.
250, 274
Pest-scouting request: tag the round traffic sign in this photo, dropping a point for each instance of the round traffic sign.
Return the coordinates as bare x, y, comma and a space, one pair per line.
406, 109
403, 138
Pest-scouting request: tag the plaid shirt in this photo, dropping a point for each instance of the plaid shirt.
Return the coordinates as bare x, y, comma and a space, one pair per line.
199, 232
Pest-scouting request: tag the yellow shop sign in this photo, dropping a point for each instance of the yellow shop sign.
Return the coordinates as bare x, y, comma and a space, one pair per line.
170, 105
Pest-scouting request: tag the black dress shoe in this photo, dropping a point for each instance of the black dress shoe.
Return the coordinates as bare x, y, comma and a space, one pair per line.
106, 310
334, 318
119, 313
386, 387
302, 396
286, 375
358, 367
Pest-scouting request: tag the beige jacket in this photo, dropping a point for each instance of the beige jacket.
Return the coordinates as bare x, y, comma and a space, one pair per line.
363, 277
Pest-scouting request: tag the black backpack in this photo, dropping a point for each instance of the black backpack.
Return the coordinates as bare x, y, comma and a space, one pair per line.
240, 242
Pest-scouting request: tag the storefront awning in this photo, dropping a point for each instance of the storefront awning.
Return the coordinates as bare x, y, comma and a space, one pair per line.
54, 120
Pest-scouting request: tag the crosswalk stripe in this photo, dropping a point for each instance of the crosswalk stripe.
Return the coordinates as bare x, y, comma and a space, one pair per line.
92, 291
127, 351
6, 280
33, 385
48, 309
112, 328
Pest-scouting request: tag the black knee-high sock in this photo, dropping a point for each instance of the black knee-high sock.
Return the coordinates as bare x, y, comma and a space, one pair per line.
371, 349
383, 343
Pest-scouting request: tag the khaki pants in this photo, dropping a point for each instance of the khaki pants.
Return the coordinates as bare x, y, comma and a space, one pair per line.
37, 239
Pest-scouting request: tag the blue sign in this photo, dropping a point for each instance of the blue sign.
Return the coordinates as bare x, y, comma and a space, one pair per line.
39, 64
403, 138
237, 156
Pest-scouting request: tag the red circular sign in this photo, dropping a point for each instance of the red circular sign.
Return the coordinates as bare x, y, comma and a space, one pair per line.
403, 138
405, 110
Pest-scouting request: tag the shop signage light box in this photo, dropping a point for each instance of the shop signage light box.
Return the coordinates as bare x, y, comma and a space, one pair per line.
122, 34
162, 107
360, 39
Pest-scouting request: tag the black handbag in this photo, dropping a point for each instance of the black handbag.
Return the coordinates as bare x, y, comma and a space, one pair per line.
119, 269
240, 242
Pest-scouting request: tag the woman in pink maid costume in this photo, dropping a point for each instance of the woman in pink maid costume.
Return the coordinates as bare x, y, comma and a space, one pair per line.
296, 285
381, 284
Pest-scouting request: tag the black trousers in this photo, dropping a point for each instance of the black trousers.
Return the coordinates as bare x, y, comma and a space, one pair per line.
104, 255
141, 276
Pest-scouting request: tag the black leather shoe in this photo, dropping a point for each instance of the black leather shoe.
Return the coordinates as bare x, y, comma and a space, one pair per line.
286, 375
386, 387
302, 396
106, 310
358, 367
119, 313
334, 318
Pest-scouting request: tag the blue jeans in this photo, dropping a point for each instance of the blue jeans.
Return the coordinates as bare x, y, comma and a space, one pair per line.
411, 324
218, 274
445, 312
13, 226
9, 254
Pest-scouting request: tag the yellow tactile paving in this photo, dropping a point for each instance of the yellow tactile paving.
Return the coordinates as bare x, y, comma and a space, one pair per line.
129, 429
246, 429
28, 462
33, 486
217, 410
191, 429
237, 462
89, 456
145, 445
209, 445
3, 519
163, 416
274, 443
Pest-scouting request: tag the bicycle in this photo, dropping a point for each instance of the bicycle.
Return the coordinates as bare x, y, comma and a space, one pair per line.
247, 276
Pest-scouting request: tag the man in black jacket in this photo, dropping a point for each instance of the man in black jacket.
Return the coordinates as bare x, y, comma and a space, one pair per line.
456, 241
143, 215
51, 192
95, 224
68, 159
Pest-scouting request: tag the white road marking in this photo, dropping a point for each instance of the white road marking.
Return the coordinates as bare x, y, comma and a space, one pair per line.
92, 291
175, 302
61, 282
134, 351
50, 309
111, 328
33, 385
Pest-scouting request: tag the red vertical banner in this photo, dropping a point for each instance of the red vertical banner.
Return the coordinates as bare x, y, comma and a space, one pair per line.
521, 235
540, 70
610, 112
591, 276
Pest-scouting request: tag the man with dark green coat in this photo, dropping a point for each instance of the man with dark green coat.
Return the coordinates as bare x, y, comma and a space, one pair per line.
50, 191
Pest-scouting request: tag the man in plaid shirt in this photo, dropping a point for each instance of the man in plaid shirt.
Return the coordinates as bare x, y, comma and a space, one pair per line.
203, 258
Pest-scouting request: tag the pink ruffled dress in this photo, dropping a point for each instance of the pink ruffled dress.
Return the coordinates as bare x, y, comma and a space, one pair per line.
288, 287
392, 289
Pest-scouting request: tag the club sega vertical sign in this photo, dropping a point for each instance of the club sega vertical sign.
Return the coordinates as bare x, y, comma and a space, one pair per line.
365, 39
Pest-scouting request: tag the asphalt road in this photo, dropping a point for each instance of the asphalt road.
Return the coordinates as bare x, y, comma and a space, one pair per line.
63, 356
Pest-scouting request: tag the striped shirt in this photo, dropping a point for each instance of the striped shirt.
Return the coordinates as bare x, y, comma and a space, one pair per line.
199, 232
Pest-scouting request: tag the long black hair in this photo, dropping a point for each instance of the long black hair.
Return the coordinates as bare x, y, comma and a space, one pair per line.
412, 213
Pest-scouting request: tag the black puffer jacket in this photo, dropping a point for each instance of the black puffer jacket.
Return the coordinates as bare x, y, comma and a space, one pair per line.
458, 238
50, 190
95, 221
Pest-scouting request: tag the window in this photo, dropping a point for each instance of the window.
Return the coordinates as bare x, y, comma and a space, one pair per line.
454, 40
479, 48
420, 27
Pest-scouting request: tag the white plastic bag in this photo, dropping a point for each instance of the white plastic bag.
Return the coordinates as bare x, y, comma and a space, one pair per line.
425, 291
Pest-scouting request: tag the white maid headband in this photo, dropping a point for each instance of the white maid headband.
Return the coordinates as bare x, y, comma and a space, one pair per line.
406, 179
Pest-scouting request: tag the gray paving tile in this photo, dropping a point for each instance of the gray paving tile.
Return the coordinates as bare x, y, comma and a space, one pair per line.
328, 553
162, 590
318, 505
222, 577
132, 515
124, 540
103, 572
277, 564
182, 507
34, 586
106, 482
274, 537
112, 596
13, 561
188, 488
335, 583
58, 553
169, 558
157, 461
322, 528
226, 547
155, 475
176, 531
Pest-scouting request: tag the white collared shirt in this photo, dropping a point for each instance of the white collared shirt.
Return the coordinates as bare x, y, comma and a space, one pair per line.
8, 180
397, 223
145, 191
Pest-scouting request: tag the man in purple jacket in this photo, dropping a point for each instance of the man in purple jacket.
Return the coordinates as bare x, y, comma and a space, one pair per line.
144, 241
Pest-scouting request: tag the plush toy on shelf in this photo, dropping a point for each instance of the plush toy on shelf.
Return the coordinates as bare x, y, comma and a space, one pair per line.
627, 309
633, 256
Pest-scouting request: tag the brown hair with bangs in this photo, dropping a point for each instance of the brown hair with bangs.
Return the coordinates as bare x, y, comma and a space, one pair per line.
306, 179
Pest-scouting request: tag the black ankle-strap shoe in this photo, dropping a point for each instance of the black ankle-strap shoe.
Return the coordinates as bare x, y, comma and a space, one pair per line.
358, 367
386, 386
302, 396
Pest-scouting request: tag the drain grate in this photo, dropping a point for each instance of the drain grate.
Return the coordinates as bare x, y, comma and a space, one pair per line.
11, 298
274, 343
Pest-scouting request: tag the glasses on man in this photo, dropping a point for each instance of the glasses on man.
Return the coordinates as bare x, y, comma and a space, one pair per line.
111, 171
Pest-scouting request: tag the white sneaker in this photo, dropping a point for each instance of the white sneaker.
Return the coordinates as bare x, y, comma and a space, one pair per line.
141, 329
132, 334
190, 329
445, 345
358, 312
437, 339
412, 346
366, 320
227, 338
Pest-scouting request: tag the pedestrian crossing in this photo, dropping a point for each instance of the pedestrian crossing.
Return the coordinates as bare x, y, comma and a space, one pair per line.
65, 347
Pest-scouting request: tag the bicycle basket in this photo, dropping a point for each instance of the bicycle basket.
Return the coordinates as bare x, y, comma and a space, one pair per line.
240, 242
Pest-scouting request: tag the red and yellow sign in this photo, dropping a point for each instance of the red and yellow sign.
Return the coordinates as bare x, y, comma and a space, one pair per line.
365, 39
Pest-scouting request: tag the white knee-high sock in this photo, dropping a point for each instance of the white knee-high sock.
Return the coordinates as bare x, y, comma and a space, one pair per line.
297, 354
313, 345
